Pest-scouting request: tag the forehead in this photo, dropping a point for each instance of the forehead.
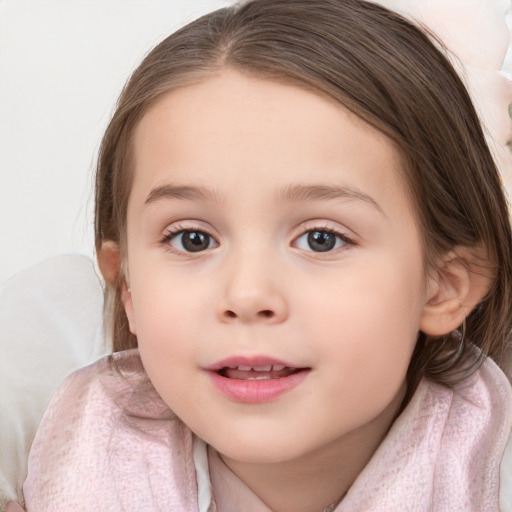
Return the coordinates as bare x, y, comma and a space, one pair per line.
233, 131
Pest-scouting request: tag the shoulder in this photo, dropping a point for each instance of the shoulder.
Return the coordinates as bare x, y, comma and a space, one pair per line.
506, 479
111, 388
105, 424
475, 429
492, 392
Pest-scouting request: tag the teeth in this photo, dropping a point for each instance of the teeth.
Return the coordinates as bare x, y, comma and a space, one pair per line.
266, 368
262, 377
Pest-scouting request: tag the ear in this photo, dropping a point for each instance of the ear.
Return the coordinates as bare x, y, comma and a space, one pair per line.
126, 298
109, 262
457, 285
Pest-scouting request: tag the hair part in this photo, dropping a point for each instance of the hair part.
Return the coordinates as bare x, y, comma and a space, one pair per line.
389, 73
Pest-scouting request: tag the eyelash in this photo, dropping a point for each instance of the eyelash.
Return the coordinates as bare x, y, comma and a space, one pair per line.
345, 240
173, 232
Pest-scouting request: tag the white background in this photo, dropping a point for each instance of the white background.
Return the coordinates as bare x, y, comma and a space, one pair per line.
62, 65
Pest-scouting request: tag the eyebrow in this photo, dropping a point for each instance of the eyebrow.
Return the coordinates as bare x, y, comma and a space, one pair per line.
181, 192
292, 193
298, 193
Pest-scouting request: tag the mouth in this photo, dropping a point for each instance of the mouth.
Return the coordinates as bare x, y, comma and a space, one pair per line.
267, 372
255, 380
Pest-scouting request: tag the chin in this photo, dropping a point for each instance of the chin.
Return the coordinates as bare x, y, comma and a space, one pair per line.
258, 450
276, 448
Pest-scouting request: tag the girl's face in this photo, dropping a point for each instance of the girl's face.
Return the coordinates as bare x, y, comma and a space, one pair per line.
275, 273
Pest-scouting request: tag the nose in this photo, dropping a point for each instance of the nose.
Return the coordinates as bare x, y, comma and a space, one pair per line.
253, 293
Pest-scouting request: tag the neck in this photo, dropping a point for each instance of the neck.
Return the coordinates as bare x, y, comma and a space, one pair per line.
316, 480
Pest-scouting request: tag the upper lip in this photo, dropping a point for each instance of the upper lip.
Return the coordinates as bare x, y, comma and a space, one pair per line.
249, 362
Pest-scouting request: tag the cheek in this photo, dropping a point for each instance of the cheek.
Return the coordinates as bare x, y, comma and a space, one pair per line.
367, 351
166, 313
369, 323
166, 340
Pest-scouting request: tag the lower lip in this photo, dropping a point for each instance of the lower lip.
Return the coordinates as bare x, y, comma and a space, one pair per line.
256, 391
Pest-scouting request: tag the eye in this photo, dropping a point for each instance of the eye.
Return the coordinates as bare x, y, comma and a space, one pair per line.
189, 240
321, 240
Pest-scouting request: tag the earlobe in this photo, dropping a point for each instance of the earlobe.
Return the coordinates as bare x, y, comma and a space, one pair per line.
458, 284
109, 262
126, 297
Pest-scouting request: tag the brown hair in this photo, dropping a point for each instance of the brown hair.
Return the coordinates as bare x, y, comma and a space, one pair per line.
390, 74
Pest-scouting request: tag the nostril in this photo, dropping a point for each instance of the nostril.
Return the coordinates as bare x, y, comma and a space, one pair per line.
264, 314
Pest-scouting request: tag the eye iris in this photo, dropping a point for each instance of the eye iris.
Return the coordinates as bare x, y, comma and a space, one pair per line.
321, 241
195, 241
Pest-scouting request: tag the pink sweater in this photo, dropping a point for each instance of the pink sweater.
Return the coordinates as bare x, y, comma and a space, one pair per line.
108, 442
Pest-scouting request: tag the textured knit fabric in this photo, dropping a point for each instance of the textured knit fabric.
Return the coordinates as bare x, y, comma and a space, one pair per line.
443, 454
108, 442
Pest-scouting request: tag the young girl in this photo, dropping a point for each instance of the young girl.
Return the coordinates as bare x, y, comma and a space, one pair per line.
307, 254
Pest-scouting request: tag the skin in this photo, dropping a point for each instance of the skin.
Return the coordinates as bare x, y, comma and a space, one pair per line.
350, 315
